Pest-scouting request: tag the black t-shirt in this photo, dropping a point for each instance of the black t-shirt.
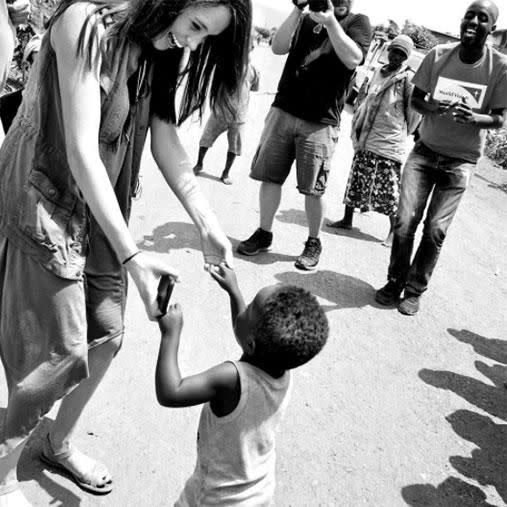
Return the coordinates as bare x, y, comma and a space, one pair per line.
314, 79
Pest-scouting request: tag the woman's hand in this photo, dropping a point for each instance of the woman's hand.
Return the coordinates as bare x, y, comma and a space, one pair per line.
146, 270
216, 248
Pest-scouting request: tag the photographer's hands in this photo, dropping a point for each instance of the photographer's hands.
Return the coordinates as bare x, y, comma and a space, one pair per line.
325, 18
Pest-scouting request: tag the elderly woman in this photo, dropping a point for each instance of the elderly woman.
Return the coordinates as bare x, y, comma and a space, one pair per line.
107, 73
379, 131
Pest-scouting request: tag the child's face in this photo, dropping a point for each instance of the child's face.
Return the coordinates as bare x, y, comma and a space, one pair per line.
246, 321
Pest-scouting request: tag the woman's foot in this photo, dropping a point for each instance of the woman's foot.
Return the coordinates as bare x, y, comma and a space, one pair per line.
340, 224
225, 179
87, 473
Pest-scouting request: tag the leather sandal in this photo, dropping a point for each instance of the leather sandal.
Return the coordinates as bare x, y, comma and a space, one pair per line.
58, 462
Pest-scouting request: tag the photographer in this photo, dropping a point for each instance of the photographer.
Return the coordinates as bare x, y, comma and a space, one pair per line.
324, 44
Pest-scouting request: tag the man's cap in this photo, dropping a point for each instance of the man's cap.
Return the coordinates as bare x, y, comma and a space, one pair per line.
404, 43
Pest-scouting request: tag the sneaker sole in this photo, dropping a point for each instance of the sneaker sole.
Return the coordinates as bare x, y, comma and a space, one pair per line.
305, 268
407, 313
385, 302
251, 254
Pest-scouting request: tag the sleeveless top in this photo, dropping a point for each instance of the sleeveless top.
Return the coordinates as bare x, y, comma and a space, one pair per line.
41, 208
236, 453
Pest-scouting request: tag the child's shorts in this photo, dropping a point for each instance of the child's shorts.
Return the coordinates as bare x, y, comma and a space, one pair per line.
286, 138
217, 125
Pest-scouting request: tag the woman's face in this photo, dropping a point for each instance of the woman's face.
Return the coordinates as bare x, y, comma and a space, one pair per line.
192, 26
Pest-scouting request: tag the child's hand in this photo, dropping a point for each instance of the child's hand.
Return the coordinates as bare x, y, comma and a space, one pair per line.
225, 276
172, 322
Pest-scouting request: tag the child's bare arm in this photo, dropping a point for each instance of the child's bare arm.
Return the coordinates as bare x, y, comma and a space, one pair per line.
173, 391
226, 278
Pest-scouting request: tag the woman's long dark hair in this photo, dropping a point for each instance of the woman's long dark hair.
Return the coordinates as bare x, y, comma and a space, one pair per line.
216, 68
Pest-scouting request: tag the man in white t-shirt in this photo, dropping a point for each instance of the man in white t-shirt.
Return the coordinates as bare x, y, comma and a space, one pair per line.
461, 90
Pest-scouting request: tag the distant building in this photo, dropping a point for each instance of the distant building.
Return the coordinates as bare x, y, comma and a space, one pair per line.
443, 38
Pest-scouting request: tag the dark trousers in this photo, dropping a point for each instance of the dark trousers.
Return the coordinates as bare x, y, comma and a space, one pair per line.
442, 180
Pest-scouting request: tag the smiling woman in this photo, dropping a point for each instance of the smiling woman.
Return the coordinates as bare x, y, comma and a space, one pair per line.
107, 73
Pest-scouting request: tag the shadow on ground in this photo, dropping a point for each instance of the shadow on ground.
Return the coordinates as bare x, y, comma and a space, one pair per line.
354, 233
491, 184
487, 464
30, 468
343, 291
298, 217
171, 236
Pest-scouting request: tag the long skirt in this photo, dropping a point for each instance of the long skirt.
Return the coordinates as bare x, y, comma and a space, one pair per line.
374, 183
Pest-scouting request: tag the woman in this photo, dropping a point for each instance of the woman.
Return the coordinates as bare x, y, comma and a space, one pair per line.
379, 131
106, 72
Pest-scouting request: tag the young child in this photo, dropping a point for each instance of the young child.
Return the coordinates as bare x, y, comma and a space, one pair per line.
232, 122
282, 328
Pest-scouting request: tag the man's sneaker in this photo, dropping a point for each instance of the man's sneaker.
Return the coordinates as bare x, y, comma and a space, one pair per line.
259, 241
389, 294
409, 305
309, 259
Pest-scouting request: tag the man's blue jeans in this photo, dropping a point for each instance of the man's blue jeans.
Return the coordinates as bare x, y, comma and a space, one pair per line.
445, 179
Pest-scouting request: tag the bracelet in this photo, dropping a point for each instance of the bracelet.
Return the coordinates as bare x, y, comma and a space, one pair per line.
131, 257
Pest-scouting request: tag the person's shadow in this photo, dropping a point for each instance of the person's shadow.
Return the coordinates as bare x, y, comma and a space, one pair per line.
343, 291
298, 217
171, 236
30, 468
452, 492
487, 464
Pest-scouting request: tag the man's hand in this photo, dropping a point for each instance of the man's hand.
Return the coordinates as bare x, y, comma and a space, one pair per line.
462, 113
326, 17
445, 106
19, 12
225, 276
172, 322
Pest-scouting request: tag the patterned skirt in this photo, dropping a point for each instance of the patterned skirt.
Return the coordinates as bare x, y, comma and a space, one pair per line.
374, 183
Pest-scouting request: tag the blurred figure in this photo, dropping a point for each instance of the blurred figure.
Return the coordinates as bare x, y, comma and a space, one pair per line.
231, 121
10, 102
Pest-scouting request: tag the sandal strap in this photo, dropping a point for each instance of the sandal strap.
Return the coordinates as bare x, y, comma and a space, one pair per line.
60, 455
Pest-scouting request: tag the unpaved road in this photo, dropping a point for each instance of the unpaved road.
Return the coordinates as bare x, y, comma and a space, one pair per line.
395, 411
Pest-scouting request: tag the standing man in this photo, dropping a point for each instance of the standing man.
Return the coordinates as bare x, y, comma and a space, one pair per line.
461, 90
325, 45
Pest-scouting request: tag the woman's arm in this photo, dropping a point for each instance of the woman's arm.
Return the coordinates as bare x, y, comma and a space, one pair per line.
176, 168
81, 109
221, 381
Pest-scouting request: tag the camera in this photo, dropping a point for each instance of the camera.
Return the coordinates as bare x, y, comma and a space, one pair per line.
317, 5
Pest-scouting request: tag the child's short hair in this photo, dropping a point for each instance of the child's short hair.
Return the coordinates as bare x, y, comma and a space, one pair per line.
293, 328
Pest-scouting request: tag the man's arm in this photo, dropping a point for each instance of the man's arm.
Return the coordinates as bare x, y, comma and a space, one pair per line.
345, 48
281, 42
463, 113
172, 390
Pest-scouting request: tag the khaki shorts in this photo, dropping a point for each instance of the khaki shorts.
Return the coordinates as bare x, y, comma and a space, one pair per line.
286, 138
217, 125
47, 325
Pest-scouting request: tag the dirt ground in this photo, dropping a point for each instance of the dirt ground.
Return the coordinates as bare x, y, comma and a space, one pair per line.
395, 411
